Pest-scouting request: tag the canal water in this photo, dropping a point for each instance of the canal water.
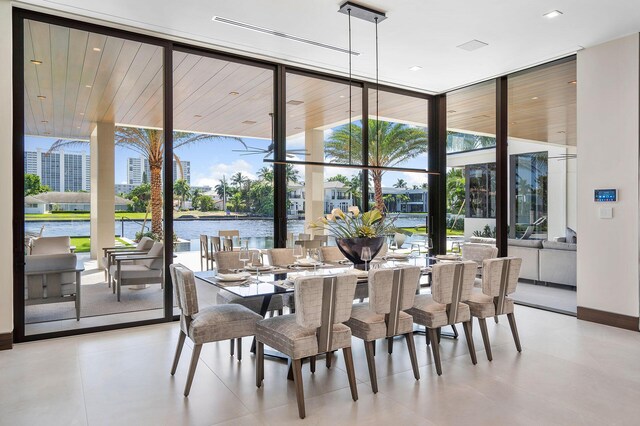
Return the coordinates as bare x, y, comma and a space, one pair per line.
259, 231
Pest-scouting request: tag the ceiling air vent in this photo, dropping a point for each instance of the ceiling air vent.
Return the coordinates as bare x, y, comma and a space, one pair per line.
472, 45
294, 102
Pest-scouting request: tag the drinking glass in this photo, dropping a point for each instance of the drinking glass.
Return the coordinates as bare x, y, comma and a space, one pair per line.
244, 256
256, 262
365, 255
415, 252
297, 252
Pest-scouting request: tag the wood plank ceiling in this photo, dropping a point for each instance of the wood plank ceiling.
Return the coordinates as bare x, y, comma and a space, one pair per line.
85, 78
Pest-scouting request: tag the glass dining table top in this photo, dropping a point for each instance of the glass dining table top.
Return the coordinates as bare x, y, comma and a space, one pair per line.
247, 283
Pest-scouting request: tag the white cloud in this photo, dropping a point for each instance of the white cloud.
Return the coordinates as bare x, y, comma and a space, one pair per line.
217, 171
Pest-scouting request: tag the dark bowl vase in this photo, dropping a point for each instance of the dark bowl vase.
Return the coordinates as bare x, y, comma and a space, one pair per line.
352, 247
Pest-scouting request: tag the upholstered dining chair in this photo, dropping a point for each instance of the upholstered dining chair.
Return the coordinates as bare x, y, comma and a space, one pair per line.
331, 254
280, 257
499, 279
227, 238
324, 239
323, 304
215, 244
211, 324
206, 256
451, 284
391, 292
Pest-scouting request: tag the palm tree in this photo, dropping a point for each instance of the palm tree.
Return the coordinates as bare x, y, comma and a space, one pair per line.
238, 180
458, 142
394, 144
266, 174
182, 189
401, 184
222, 190
293, 174
149, 143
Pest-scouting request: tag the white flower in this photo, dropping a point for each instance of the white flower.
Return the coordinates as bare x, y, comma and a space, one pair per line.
331, 218
355, 210
338, 213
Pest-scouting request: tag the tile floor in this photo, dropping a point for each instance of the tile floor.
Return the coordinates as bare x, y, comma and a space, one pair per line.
570, 372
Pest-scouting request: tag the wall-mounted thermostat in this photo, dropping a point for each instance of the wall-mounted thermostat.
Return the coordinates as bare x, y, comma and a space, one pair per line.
605, 195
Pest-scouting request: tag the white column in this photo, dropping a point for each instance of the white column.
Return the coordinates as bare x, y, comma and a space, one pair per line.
608, 138
102, 189
314, 177
6, 189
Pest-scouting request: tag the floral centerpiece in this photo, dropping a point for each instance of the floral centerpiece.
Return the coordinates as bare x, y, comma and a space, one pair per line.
354, 230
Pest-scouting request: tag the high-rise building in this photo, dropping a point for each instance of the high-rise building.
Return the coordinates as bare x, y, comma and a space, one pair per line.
138, 171
61, 171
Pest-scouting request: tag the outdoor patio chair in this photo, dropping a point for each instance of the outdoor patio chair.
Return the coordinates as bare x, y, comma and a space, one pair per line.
143, 246
450, 286
499, 279
324, 303
138, 269
391, 292
211, 324
52, 278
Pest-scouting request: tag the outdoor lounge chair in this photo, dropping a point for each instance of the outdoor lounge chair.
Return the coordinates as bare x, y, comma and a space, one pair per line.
143, 246
136, 269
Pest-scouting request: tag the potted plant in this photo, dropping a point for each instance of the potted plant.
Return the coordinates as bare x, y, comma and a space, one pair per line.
354, 231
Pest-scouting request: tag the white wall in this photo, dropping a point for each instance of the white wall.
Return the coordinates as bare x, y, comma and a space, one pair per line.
6, 192
608, 138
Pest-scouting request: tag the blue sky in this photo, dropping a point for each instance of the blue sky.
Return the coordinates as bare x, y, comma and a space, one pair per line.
211, 160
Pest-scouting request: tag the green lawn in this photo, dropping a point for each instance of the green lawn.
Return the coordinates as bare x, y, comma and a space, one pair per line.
83, 244
422, 230
78, 216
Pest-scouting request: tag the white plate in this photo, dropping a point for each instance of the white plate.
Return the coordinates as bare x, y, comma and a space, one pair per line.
305, 262
233, 277
397, 255
259, 268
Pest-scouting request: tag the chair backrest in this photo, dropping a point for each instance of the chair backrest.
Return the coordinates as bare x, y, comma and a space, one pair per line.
184, 283
226, 260
229, 234
304, 237
331, 254
322, 302
391, 291
145, 244
324, 239
156, 251
215, 243
227, 244
500, 278
35, 283
452, 283
51, 245
478, 252
280, 256
204, 246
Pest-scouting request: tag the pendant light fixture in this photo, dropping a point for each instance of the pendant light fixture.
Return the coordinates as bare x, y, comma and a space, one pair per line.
375, 17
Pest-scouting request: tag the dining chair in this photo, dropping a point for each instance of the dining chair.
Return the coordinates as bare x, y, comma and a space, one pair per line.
499, 279
451, 285
214, 244
331, 254
304, 237
211, 324
324, 239
391, 292
229, 233
324, 304
205, 253
280, 257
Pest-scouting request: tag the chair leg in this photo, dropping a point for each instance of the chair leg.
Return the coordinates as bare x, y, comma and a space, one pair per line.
514, 331
312, 363
369, 348
328, 359
412, 354
390, 345
485, 337
192, 368
373, 347
290, 370
435, 348
351, 372
455, 331
468, 327
280, 312
495, 318
297, 380
239, 349
176, 358
231, 346
118, 289
259, 363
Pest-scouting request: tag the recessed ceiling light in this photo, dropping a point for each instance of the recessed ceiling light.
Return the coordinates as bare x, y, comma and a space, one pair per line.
36, 62
552, 14
452, 111
44, 121
234, 93
96, 49
88, 86
534, 98
197, 116
472, 45
82, 113
342, 96
294, 102
78, 127
573, 82
42, 97
415, 68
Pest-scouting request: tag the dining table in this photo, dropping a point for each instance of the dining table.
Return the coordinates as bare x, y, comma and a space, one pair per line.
266, 281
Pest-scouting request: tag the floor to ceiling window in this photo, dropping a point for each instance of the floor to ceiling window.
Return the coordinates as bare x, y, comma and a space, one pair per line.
542, 183
93, 165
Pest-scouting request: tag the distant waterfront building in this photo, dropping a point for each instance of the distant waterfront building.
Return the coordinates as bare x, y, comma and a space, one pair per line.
138, 170
124, 188
61, 171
